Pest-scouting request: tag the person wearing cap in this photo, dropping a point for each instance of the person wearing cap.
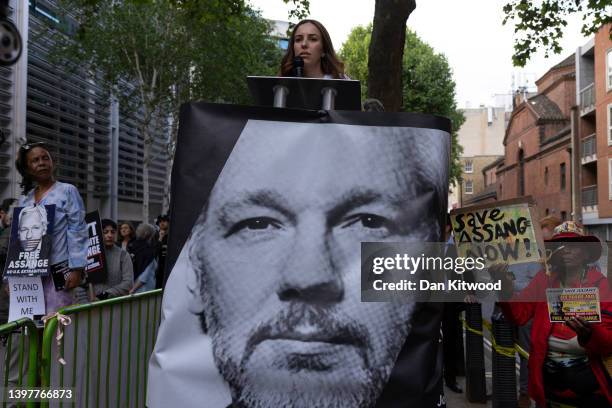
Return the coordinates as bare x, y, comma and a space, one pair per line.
565, 361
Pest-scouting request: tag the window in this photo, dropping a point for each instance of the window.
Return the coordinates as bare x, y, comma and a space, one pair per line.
521, 173
562, 174
609, 124
609, 70
547, 212
546, 177
469, 187
563, 215
468, 167
610, 179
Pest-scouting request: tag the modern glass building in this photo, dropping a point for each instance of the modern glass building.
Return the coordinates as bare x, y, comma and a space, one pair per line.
97, 143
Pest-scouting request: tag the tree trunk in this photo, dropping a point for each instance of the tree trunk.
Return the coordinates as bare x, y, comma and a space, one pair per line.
146, 162
387, 52
171, 149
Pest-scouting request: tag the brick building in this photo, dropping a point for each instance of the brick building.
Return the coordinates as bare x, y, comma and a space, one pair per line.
537, 156
474, 183
594, 133
489, 176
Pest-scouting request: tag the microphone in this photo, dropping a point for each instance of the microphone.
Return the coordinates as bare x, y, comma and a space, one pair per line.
298, 67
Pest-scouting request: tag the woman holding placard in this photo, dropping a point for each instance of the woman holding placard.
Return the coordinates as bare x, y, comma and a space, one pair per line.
69, 238
565, 361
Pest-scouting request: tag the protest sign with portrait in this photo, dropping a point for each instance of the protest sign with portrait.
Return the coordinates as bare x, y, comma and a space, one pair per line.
30, 241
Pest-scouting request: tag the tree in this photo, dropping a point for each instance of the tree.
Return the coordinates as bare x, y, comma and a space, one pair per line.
541, 24
155, 55
386, 51
428, 85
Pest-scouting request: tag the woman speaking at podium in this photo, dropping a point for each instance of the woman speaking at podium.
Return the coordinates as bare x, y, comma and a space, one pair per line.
311, 53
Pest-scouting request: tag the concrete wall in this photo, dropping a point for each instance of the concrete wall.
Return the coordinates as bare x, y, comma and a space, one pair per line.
482, 133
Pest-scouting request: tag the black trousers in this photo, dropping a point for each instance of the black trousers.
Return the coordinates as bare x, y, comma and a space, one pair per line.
452, 342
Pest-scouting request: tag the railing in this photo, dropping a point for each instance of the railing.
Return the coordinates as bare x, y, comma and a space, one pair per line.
589, 196
106, 348
587, 99
589, 147
15, 361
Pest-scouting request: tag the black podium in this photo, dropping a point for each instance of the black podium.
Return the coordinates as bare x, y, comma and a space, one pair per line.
305, 93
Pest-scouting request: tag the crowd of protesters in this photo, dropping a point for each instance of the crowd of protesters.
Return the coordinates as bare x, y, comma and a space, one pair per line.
565, 362
134, 258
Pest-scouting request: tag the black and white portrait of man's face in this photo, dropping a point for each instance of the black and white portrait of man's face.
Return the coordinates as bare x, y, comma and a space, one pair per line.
277, 255
32, 227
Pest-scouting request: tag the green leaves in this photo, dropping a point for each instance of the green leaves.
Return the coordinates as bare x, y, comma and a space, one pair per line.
428, 84
539, 25
205, 48
300, 10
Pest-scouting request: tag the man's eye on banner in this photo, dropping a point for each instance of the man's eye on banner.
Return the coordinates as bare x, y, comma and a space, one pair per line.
263, 305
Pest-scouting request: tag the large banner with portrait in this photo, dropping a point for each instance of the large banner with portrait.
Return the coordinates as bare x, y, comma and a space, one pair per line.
262, 304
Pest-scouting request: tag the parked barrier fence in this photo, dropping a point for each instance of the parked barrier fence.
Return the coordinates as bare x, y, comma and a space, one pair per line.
105, 347
19, 353
503, 357
101, 351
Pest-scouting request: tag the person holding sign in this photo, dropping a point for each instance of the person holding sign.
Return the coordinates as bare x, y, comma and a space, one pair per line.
311, 44
119, 266
565, 362
69, 238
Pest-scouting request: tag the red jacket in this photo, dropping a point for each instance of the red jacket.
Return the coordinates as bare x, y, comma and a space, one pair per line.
599, 344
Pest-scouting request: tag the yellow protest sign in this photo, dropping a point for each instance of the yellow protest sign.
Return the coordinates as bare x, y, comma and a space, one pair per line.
501, 232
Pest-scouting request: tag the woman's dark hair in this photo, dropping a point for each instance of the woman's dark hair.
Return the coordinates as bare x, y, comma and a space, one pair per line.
27, 182
132, 230
108, 223
330, 64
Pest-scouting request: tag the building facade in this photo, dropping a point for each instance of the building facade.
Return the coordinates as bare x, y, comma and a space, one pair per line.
537, 144
96, 143
481, 137
594, 133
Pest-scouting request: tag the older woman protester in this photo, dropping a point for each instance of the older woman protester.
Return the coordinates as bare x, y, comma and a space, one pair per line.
565, 361
70, 238
145, 261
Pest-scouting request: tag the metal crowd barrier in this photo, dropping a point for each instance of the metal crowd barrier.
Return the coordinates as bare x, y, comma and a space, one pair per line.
503, 349
475, 383
105, 347
18, 353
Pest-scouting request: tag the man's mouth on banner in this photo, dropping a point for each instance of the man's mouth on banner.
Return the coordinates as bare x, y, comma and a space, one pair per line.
305, 339
31, 244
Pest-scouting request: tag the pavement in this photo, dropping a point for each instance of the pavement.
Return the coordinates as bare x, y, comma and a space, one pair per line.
454, 400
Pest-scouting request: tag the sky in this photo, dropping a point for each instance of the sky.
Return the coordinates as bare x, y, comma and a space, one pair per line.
470, 33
